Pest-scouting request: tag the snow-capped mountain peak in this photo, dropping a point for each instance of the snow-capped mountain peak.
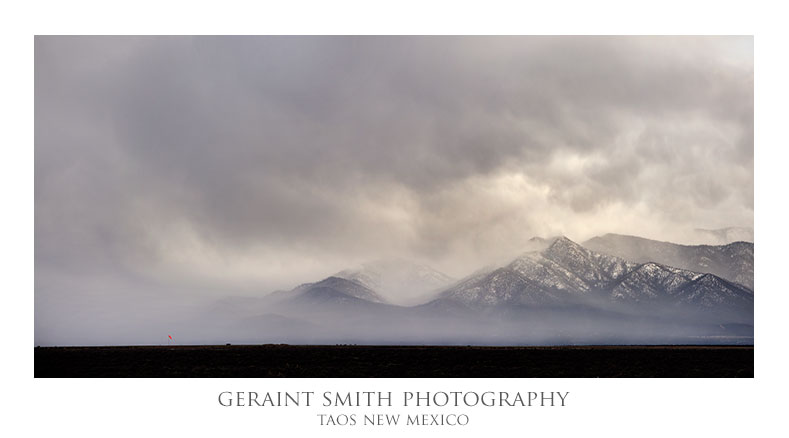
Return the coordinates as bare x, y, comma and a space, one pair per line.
567, 273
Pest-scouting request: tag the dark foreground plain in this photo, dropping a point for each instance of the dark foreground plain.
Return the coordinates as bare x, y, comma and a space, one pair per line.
394, 361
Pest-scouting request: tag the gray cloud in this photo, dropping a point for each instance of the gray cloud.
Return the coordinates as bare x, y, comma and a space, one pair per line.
261, 162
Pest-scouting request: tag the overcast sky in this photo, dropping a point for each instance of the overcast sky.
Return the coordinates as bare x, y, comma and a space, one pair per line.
255, 163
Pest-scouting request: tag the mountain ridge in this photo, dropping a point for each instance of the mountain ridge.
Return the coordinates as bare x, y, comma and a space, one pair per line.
569, 273
732, 261
560, 292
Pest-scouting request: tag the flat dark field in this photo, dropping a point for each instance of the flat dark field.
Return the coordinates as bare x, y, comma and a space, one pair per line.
394, 361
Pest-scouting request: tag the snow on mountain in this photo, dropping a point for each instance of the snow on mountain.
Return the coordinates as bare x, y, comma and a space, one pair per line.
733, 261
563, 271
566, 273
652, 281
711, 291
560, 292
595, 270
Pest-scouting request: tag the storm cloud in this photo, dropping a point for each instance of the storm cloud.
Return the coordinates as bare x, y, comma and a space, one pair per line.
254, 163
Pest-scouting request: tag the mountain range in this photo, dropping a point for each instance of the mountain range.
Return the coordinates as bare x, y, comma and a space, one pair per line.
611, 289
733, 261
567, 273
